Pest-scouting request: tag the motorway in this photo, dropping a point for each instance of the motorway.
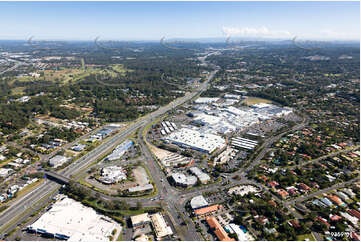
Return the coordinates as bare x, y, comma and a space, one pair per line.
19, 209
12, 68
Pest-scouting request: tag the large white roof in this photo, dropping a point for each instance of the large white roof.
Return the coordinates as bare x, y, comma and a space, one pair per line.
198, 201
196, 139
141, 218
71, 218
206, 100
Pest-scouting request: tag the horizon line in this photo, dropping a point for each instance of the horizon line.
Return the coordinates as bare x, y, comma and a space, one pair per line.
186, 38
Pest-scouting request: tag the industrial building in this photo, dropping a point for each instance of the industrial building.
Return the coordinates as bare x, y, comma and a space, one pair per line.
57, 161
69, 220
202, 177
120, 150
193, 139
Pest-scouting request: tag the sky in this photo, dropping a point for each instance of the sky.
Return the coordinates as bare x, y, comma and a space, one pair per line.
153, 20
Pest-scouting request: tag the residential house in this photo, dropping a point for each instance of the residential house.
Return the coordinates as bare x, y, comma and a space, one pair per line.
326, 201
294, 223
354, 213
304, 187
273, 184
283, 193
324, 221
336, 200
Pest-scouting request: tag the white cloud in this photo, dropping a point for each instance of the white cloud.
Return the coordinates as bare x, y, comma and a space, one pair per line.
331, 34
263, 32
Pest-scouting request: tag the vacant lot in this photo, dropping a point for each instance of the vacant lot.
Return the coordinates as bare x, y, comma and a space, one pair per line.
255, 100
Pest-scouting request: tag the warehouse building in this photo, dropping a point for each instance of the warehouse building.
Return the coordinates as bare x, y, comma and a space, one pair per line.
120, 150
69, 220
193, 139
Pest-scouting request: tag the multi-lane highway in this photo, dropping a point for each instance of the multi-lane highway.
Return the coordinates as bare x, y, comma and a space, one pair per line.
20, 209
12, 68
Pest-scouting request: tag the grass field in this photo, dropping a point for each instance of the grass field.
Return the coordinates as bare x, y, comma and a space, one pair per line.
303, 237
64, 75
5, 162
69, 75
120, 68
255, 100
18, 91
